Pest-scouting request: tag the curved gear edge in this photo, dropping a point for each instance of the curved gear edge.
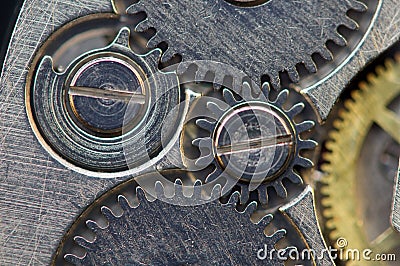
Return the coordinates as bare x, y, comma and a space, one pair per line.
247, 93
334, 156
309, 62
143, 200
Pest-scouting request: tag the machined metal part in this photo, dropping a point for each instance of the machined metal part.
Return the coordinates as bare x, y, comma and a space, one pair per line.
308, 225
40, 197
238, 145
360, 165
79, 115
268, 39
124, 227
383, 34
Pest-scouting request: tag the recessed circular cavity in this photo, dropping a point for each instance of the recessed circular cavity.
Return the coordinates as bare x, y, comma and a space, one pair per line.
88, 106
248, 136
99, 92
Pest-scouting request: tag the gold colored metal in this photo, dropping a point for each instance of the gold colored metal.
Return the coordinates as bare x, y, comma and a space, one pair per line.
367, 106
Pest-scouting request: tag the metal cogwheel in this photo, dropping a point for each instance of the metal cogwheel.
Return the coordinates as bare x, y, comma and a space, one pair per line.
241, 143
358, 197
84, 115
124, 227
265, 39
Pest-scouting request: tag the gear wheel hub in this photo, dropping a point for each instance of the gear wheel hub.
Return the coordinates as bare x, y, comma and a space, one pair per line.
254, 139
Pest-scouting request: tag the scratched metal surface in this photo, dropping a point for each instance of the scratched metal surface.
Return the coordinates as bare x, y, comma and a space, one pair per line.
385, 32
39, 198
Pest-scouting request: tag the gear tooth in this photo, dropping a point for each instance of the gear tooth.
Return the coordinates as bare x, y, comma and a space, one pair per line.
107, 213
229, 97
82, 242
73, 259
265, 89
244, 194
275, 82
262, 194
213, 176
205, 145
204, 161
295, 178
310, 65
330, 145
380, 70
293, 75
178, 188
229, 184
205, 124
326, 167
245, 92
339, 39
371, 78
359, 6
237, 83
154, 41
168, 55
325, 53
280, 189
295, 110
215, 109
46, 65
389, 64
123, 37
93, 226
337, 124
218, 81
330, 224
363, 85
278, 235
135, 8
265, 220
160, 191
250, 208
304, 162
197, 189
355, 95
143, 26
216, 192
201, 73
124, 203
308, 145
350, 23
326, 202
282, 98
141, 195
325, 191
183, 67
305, 126
234, 199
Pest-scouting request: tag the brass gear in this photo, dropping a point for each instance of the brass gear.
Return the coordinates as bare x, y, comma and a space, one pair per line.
367, 107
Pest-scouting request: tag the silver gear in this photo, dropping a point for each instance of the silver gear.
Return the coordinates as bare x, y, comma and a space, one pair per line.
267, 39
137, 230
284, 161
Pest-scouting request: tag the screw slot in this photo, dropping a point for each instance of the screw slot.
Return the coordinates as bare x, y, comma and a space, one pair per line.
99, 92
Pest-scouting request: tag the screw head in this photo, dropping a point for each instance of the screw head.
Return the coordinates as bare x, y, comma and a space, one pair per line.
253, 140
99, 91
